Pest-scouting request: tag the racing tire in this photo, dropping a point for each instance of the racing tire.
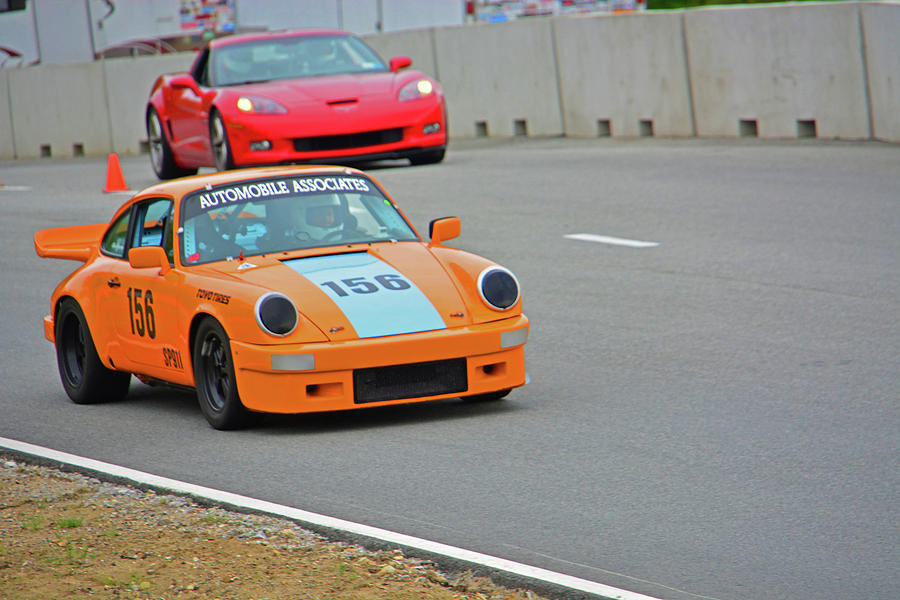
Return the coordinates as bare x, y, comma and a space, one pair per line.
489, 397
218, 141
84, 377
161, 157
427, 158
214, 378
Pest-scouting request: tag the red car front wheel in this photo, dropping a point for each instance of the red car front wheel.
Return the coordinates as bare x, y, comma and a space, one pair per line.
218, 137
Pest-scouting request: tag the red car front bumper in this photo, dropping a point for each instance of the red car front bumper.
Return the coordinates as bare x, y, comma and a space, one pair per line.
284, 138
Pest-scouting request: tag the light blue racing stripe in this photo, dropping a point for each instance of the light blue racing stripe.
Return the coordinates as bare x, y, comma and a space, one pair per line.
374, 296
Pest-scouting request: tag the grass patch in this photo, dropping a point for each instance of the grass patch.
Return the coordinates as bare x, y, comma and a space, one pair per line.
33, 523
69, 523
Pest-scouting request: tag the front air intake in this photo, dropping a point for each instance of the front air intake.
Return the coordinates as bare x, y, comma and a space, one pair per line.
414, 380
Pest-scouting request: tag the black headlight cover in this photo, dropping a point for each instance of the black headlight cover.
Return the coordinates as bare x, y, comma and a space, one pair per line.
276, 314
498, 287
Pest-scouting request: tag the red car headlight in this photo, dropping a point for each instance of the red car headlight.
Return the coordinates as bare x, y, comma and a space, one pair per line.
418, 88
259, 105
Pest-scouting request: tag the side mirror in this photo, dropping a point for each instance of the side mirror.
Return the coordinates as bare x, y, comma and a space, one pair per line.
441, 230
148, 257
400, 62
181, 82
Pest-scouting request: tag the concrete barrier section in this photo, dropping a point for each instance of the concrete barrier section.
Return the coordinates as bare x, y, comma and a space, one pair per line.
783, 71
7, 142
500, 80
128, 83
881, 32
417, 44
623, 75
777, 71
60, 111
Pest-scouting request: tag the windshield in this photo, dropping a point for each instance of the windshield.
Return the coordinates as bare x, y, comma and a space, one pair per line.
285, 58
290, 213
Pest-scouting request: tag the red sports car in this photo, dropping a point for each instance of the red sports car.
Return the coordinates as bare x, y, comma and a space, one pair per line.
291, 97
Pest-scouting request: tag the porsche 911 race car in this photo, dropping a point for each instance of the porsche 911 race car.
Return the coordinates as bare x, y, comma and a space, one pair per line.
289, 97
281, 290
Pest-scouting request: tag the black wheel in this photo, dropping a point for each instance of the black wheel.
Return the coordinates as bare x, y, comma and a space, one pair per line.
427, 158
85, 379
218, 141
161, 157
214, 377
489, 397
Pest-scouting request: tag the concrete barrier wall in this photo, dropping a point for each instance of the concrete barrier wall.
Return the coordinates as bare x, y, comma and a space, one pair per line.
500, 80
7, 142
417, 44
776, 66
623, 75
60, 111
881, 36
787, 71
128, 83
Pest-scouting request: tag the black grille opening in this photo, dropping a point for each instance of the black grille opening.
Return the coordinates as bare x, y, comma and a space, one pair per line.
350, 140
398, 382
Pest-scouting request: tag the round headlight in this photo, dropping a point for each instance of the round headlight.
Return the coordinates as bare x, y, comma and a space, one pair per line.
499, 288
276, 314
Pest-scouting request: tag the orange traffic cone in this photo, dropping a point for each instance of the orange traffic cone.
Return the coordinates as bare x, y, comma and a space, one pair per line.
115, 181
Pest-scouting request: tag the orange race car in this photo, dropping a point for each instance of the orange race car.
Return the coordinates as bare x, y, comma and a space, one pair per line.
281, 290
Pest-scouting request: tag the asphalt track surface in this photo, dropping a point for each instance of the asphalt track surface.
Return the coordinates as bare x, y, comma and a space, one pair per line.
712, 417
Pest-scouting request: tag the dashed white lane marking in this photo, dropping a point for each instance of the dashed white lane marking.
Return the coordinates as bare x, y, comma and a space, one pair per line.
14, 188
605, 239
302, 516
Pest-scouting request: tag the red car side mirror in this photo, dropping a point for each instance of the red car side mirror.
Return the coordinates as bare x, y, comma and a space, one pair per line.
180, 82
400, 62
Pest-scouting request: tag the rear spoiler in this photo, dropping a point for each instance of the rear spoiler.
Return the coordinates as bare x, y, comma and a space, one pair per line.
77, 242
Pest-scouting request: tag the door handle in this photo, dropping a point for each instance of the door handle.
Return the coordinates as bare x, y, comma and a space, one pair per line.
114, 282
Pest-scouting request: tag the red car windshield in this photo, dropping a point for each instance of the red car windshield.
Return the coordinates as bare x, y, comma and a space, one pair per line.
291, 57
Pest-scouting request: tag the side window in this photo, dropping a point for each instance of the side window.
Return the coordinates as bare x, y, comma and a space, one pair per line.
113, 243
153, 225
201, 71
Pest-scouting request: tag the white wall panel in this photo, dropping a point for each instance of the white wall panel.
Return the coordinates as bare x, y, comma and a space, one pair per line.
623, 70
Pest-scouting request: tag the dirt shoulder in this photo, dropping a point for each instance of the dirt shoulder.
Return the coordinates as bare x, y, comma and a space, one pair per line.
65, 535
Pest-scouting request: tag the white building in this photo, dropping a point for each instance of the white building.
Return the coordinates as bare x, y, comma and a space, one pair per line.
66, 31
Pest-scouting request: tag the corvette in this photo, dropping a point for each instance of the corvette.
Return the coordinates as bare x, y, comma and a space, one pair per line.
292, 97
280, 290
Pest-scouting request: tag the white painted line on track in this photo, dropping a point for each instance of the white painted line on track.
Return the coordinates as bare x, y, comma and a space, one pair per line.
605, 239
302, 516
14, 188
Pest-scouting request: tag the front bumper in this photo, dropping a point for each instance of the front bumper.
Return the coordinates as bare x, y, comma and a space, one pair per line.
336, 139
329, 385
